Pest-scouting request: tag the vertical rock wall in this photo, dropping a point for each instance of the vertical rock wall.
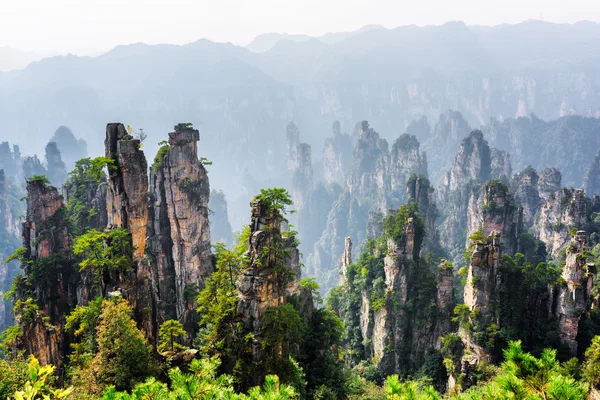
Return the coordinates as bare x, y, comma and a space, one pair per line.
263, 282
574, 294
127, 195
179, 231
45, 235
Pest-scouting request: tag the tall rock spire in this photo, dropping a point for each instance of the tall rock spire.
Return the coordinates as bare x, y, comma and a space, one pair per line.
127, 196
346, 259
179, 232
573, 297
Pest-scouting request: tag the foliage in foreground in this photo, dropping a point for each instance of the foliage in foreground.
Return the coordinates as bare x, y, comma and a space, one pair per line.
201, 383
39, 384
523, 376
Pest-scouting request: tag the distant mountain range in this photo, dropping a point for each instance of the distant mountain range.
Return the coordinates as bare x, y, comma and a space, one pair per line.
242, 98
267, 41
11, 59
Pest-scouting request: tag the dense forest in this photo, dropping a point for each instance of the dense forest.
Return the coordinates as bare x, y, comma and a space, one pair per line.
353, 279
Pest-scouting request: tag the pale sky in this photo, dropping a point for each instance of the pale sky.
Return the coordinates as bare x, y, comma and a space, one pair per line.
81, 26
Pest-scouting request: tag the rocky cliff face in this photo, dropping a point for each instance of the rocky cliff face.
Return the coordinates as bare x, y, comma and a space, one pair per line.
32, 166
346, 259
179, 233
405, 160
419, 190
220, 227
300, 167
373, 185
574, 294
525, 186
337, 157
498, 213
500, 165
386, 299
449, 130
10, 234
95, 198
302, 176
56, 170
127, 194
549, 182
461, 191
47, 243
481, 291
45, 227
269, 276
9, 160
370, 169
591, 181
128, 207
562, 211
483, 283
389, 327
444, 302
292, 139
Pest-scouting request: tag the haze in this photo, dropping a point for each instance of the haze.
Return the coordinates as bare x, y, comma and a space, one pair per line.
93, 26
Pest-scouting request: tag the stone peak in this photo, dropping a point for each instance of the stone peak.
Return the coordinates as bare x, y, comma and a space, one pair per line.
184, 133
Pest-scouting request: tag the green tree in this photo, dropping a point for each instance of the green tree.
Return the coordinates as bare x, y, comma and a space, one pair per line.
123, 357
169, 331
411, 390
83, 183
219, 332
277, 201
591, 368
311, 285
282, 324
202, 383
103, 253
83, 322
523, 376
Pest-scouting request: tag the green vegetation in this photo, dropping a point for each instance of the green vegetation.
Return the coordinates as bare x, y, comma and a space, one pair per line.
167, 336
591, 368
523, 376
104, 253
304, 352
83, 323
163, 148
123, 357
204, 161
39, 178
39, 384
83, 182
367, 278
202, 382
14, 375
282, 324
312, 286
395, 225
220, 333
276, 201
397, 390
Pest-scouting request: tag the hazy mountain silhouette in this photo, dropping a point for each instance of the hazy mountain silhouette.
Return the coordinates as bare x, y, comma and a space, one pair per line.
11, 59
242, 100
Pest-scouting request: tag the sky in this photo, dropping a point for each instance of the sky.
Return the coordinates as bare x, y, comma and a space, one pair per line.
92, 26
